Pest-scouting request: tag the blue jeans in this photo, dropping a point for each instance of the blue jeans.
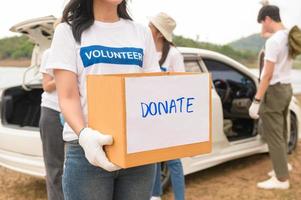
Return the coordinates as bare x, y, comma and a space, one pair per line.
177, 179
83, 181
62, 120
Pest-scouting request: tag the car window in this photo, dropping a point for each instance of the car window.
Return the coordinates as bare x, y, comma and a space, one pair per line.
192, 66
227, 78
222, 71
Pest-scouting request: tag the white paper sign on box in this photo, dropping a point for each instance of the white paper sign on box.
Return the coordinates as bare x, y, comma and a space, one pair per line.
167, 111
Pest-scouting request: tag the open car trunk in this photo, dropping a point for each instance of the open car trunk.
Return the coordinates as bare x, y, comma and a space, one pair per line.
20, 107
38, 30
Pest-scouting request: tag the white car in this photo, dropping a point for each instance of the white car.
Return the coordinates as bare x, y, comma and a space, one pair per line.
234, 134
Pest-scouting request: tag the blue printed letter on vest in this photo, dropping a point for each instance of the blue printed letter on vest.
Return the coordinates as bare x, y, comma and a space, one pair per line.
96, 54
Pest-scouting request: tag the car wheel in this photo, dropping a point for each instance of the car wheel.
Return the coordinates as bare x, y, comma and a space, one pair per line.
165, 176
293, 140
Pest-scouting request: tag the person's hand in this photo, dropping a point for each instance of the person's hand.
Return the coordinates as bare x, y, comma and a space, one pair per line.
254, 109
92, 142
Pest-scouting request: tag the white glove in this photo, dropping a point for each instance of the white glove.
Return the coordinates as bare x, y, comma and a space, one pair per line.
92, 142
254, 109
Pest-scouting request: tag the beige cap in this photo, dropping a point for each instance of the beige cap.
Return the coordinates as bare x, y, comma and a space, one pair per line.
165, 24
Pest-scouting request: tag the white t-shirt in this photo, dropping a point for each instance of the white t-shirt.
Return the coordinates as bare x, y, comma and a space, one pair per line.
49, 99
106, 48
174, 61
276, 50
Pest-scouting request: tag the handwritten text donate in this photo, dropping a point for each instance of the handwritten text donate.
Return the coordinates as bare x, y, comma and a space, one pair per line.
173, 106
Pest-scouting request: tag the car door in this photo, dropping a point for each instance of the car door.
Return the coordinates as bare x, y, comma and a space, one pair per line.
243, 88
194, 64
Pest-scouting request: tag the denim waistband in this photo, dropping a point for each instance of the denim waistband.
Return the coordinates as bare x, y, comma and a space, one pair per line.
72, 142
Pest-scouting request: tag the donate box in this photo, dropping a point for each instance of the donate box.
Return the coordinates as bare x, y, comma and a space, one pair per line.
152, 117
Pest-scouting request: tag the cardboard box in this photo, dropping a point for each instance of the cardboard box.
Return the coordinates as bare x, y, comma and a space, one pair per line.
152, 117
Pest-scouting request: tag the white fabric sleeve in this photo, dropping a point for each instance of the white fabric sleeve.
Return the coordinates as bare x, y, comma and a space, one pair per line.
44, 61
272, 50
63, 50
150, 60
177, 62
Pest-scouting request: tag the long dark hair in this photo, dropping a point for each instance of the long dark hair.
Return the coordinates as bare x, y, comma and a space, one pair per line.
165, 51
79, 15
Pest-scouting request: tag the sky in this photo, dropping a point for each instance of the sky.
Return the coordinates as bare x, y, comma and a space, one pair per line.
215, 21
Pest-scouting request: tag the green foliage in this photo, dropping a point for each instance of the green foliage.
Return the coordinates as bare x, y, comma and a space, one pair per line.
20, 47
253, 43
15, 47
243, 56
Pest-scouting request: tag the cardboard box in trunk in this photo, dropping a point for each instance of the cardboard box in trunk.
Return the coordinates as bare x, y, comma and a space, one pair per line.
152, 117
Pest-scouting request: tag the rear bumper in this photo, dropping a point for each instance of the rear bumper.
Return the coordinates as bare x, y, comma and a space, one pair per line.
30, 165
21, 150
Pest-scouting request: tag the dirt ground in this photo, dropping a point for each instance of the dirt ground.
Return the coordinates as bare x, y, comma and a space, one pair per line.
234, 180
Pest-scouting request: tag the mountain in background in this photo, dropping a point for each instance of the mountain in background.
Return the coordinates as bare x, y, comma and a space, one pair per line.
239, 55
19, 47
252, 43
244, 50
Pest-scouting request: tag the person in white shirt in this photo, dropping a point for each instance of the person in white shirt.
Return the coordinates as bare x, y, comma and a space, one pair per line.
271, 102
97, 37
170, 60
51, 132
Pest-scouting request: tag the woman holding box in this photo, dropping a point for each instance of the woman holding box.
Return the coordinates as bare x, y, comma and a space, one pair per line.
170, 59
97, 37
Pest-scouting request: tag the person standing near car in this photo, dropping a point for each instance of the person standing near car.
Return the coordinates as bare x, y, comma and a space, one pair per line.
271, 102
97, 37
170, 59
51, 132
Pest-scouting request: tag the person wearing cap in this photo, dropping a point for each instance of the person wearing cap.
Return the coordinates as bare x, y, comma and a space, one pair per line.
170, 59
271, 102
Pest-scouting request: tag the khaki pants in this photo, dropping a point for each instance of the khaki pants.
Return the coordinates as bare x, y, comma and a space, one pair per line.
273, 114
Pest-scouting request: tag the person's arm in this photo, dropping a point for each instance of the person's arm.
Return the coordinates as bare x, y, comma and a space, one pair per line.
150, 60
265, 80
91, 141
177, 63
48, 83
263, 86
272, 50
69, 99
62, 60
